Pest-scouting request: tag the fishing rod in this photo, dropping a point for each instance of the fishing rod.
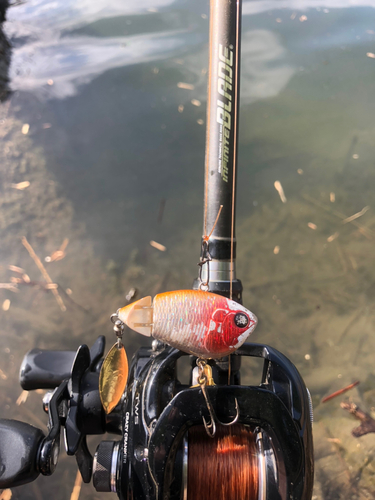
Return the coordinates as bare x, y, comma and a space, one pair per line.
214, 437
219, 251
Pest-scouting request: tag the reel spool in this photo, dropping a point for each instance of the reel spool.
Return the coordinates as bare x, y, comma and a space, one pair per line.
225, 467
239, 463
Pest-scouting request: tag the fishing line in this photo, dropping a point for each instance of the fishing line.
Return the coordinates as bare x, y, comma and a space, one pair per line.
206, 238
224, 467
206, 257
234, 150
210, 51
233, 450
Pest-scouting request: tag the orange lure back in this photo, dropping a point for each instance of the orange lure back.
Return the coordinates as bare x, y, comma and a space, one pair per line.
201, 323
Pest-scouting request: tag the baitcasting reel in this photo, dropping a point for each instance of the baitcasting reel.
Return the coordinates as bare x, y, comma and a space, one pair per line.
164, 451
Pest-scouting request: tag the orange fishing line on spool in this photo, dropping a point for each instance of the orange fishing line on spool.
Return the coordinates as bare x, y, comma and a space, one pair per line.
225, 467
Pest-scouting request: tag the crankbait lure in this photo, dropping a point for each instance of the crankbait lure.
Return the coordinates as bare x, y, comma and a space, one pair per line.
201, 323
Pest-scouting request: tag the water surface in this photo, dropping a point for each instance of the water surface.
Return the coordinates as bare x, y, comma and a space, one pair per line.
113, 137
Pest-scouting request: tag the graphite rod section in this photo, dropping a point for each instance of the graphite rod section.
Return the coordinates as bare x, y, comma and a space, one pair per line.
222, 125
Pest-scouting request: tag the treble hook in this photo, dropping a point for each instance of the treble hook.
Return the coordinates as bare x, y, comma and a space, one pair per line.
211, 427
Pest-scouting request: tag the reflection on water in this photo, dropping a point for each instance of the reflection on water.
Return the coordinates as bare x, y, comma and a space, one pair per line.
113, 136
265, 72
73, 61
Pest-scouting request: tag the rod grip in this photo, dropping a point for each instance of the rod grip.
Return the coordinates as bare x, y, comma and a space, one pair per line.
19, 452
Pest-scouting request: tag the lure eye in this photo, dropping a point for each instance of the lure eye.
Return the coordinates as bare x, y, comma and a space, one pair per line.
241, 320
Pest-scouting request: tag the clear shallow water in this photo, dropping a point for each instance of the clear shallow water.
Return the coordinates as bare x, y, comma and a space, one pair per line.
108, 141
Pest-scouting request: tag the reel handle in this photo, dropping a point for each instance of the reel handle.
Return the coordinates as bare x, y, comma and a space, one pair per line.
20, 445
43, 369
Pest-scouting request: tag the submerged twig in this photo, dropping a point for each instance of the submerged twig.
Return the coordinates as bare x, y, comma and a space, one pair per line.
332, 237
368, 423
21, 185
355, 216
341, 258
45, 275
158, 246
42, 285
33, 283
9, 286
16, 269
369, 233
6, 305
280, 190
77, 487
58, 254
340, 391
6, 494
22, 398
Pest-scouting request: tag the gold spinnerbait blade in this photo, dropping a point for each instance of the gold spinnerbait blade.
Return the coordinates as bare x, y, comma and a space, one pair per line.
113, 377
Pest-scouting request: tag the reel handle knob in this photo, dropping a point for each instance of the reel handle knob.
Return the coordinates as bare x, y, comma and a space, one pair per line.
43, 369
19, 453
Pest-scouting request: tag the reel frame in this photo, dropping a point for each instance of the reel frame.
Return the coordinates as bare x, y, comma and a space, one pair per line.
158, 411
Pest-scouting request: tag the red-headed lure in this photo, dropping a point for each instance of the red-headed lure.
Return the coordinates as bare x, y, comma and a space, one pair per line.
201, 323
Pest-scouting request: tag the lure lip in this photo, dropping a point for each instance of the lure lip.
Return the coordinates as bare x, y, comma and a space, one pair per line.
138, 316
